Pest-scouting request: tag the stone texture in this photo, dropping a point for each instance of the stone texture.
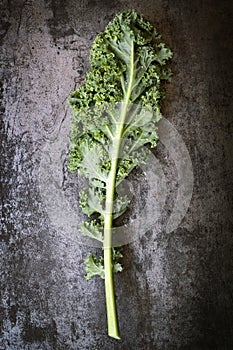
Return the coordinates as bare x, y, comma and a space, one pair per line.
176, 289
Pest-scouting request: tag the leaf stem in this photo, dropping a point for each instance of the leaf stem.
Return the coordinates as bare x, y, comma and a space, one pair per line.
113, 330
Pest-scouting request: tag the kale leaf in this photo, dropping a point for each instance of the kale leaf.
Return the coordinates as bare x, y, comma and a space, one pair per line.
115, 114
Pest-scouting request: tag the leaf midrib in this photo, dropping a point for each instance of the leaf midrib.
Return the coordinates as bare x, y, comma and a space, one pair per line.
110, 191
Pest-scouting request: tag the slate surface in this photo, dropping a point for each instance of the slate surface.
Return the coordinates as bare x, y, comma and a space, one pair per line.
176, 291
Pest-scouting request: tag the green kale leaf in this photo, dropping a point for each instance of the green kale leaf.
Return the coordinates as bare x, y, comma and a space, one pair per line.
115, 114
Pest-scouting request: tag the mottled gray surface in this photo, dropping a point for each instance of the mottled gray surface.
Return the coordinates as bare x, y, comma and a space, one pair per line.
176, 291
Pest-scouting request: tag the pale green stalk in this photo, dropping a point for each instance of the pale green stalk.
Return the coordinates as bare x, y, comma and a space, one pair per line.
113, 330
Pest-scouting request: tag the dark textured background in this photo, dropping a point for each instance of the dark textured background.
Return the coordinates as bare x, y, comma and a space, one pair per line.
176, 291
